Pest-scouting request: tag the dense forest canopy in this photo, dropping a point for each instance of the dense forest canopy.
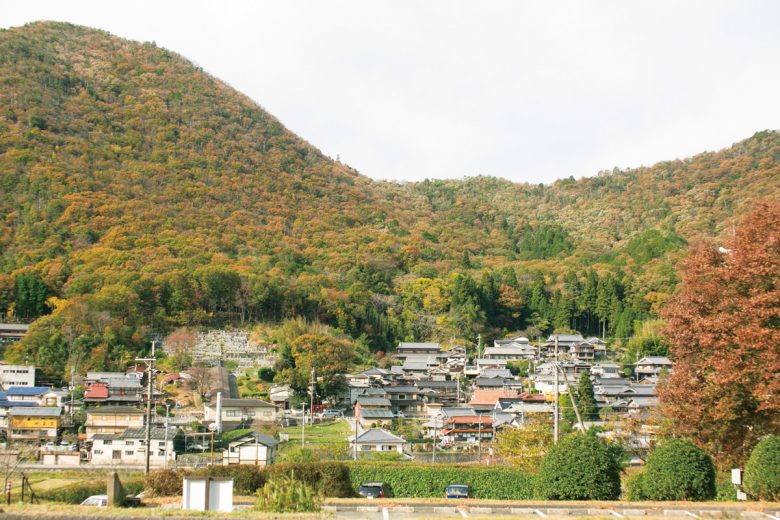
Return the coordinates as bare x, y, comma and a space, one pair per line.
140, 194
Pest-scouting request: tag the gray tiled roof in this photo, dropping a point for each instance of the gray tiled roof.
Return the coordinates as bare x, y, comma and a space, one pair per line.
373, 401
378, 435
36, 411
376, 414
258, 437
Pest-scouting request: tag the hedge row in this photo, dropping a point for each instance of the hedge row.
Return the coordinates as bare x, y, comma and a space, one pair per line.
337, 479
427, 480
329, 478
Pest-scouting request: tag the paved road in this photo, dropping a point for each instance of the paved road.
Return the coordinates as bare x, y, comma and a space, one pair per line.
412, 511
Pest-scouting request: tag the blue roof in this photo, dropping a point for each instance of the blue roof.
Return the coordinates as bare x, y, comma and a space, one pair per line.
14, 404
27, 390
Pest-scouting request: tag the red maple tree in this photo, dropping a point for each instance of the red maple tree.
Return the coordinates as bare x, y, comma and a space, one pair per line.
723, 326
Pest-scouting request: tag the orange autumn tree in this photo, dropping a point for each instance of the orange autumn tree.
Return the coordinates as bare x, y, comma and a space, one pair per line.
724, 329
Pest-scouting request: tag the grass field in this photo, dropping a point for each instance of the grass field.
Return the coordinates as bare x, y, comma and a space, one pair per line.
48, 480
329, 436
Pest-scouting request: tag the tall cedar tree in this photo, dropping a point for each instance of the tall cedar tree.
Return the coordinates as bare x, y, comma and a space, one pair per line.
586, 398
724, 331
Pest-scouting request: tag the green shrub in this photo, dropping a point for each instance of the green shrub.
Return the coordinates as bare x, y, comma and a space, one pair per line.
330, 479
580, 467
634, 487
287, 494
725, 491
77, 493
678, 470
247, 479
410, 480
164, 482
762, 471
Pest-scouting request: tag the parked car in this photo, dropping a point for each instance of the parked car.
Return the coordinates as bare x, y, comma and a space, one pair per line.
332, 414
457, 491
102, 501
372, 490
96, 500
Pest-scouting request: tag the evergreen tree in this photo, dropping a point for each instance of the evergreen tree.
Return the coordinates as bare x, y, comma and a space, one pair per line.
586, 398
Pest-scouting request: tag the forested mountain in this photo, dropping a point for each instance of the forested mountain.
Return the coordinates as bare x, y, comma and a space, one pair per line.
139, 194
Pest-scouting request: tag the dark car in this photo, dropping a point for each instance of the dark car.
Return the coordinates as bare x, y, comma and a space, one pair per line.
372, 490
457, 491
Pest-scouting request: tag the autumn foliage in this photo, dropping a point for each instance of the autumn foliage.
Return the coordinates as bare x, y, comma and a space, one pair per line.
724, 329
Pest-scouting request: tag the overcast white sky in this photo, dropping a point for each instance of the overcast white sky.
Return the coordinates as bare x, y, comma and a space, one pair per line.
528, 91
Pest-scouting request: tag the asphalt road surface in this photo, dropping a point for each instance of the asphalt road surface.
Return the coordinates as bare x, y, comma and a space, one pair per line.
412, 511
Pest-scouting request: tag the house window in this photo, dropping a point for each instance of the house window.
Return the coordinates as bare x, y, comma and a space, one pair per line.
161, 443
161, 453
106, 442
129, 452
97, 452
128, 443
231, 413
365, 447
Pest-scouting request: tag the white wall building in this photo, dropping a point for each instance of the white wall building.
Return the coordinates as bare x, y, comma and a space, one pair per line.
253, 448
16, 375
129, 447
378, 440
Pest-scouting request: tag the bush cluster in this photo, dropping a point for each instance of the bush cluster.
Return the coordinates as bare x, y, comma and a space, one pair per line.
676, 470
287, 494
337, 479
580, 467
430, 480
762, 471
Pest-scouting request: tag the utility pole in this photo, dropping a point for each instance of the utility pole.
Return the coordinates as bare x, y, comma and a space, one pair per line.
479, 439
355, 417
72, 388
150, 375
303, 424
167, 416
479, 346
573, 400
435, 424
555, 394
311, 389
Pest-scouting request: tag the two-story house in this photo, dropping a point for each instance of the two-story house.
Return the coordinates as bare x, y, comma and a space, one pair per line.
34, 422
240, 413
113, 420
129, 447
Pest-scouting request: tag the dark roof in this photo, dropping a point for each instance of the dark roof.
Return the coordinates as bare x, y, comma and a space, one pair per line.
376, 414
258, 437
428, 383
401, 389
372, 401
491, 381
